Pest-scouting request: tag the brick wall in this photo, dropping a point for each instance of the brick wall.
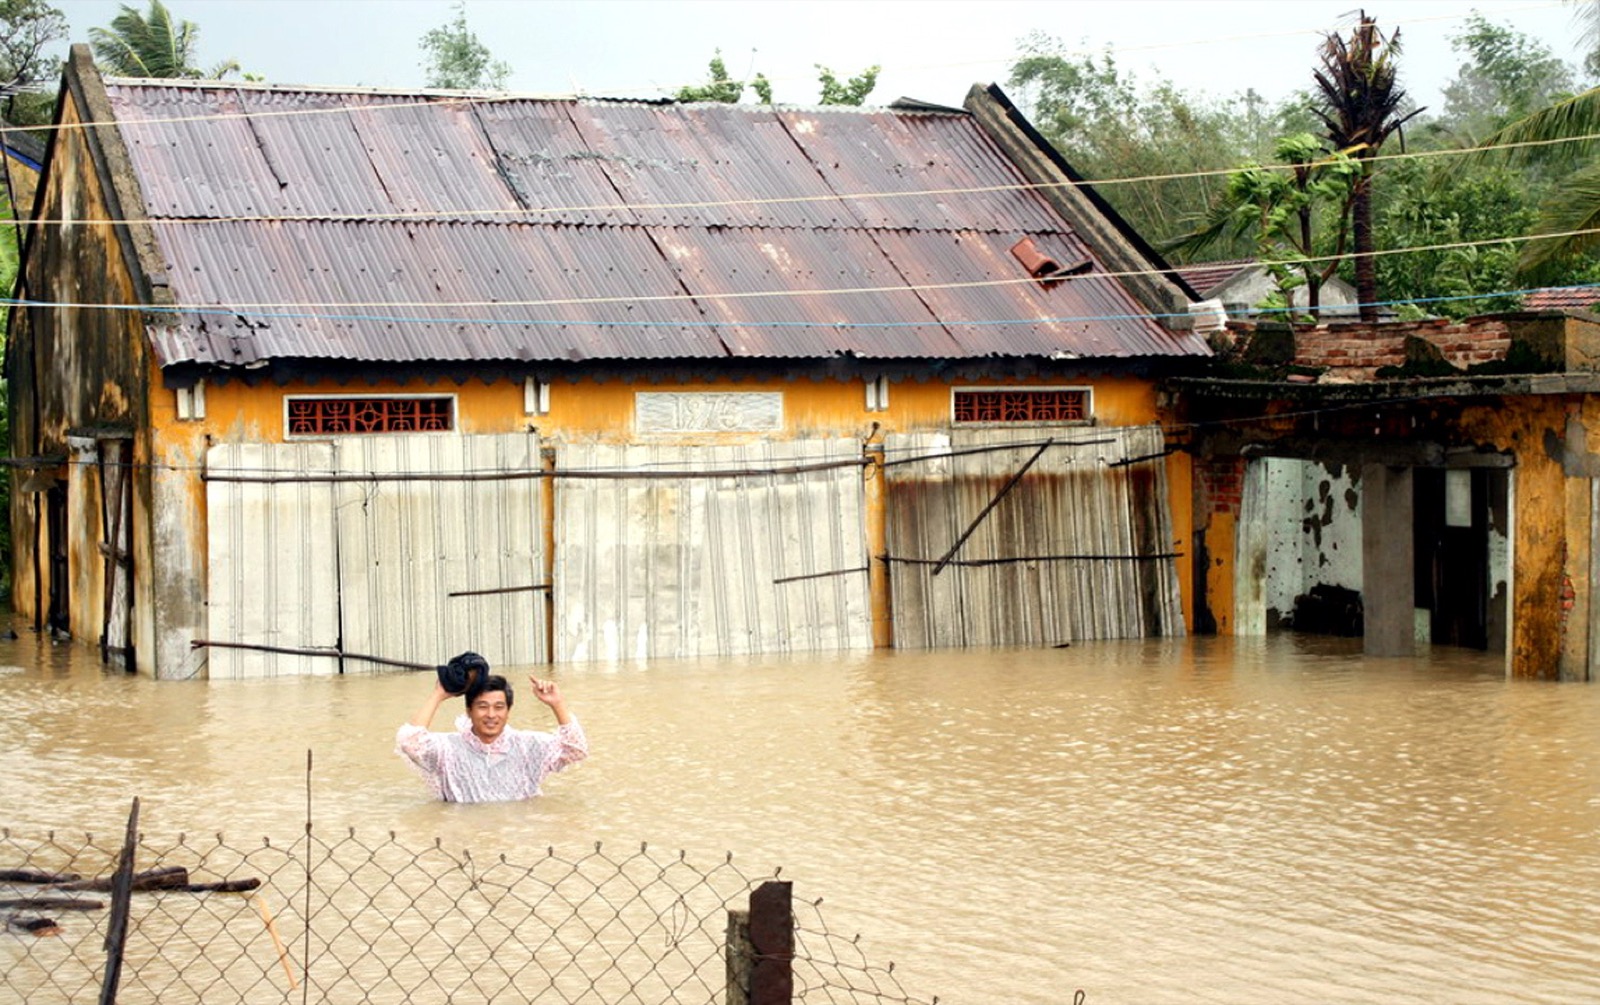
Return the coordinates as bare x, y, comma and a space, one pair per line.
1221, 482
1355, 352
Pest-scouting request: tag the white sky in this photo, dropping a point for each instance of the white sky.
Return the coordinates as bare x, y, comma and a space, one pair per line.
933, 50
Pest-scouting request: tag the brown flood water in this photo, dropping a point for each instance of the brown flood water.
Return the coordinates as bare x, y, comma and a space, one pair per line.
1204, 820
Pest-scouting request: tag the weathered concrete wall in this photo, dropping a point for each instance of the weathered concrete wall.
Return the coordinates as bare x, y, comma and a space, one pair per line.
1551, 523
73, 370
1569, 341
1313, 523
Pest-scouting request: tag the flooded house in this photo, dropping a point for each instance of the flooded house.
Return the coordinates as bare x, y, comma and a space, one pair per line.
312, 380
1411, 483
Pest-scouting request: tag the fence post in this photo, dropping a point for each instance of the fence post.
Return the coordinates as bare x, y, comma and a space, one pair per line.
739, 956
121, 897
772, 944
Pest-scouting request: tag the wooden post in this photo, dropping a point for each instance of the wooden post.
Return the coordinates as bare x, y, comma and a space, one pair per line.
739, 957
772, 944
121, 896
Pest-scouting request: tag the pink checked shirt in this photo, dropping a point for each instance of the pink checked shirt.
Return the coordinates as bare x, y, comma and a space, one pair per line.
460, 768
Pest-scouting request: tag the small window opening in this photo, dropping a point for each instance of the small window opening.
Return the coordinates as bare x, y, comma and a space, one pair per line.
329, 416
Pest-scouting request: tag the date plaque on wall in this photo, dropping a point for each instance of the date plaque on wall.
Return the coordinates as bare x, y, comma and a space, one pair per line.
708, 411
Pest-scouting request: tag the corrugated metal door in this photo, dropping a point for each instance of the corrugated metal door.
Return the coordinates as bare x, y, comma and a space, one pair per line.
116, 523
660, 556
425, 546
270, 559
1029, 537
441, 551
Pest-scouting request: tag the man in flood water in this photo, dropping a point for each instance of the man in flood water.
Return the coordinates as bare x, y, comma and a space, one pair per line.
485, 760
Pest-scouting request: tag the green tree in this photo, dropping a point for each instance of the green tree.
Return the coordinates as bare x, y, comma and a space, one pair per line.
1285, 209
152, 44
1557, 142
851, 92
1111, 127
1507, 76
27, 29
1456, 207
456, 60
1453, 217
723, 88
1360, 106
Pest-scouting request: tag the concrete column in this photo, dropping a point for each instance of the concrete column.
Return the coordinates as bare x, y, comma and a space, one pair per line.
1250, 561
1387, 592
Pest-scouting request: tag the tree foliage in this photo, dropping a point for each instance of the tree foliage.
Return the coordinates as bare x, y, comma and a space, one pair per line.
1296, 212
1508, 75
1118, 132
29, 71
1518, 89
723, 88
850, 92
456, 60
153, 44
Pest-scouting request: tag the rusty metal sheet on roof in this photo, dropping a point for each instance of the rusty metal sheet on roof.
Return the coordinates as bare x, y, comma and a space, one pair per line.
707, 166
839, 293
216, 152
545, 159
973, 284
929, 171
426, 291
349, 225
1206, 276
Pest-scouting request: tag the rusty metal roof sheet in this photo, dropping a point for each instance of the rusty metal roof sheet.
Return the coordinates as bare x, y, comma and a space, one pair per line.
352, 226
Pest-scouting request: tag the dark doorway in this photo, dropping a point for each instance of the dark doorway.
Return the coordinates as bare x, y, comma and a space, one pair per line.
1450, 515
60, 616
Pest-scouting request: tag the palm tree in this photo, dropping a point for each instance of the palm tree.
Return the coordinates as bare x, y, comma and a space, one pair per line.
152, 45
1361, 102
1572, 211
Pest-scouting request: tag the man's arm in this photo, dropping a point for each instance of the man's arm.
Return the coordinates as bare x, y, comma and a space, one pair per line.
547, 692
424, 714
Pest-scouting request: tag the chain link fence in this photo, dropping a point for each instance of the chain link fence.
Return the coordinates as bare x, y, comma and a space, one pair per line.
353, 918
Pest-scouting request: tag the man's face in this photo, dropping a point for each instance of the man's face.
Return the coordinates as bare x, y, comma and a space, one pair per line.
488, 713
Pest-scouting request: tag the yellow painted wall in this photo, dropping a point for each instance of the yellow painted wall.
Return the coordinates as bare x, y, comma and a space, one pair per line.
1540, 562
586, 410
1180, 492
1221, 546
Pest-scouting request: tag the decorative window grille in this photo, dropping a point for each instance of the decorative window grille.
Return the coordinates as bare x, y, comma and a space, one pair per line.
1023, 405
328, 416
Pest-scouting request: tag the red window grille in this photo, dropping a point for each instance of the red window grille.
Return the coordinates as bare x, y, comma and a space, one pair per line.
1022, 406
324, 416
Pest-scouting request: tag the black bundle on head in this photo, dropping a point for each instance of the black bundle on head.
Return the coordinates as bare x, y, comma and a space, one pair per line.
464, 674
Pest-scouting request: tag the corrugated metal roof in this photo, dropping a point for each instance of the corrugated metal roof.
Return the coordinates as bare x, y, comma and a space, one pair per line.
401, 228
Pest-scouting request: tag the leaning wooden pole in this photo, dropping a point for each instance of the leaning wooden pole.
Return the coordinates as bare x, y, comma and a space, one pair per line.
121, 898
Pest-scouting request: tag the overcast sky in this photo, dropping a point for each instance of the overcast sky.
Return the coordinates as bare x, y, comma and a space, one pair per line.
929, 49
